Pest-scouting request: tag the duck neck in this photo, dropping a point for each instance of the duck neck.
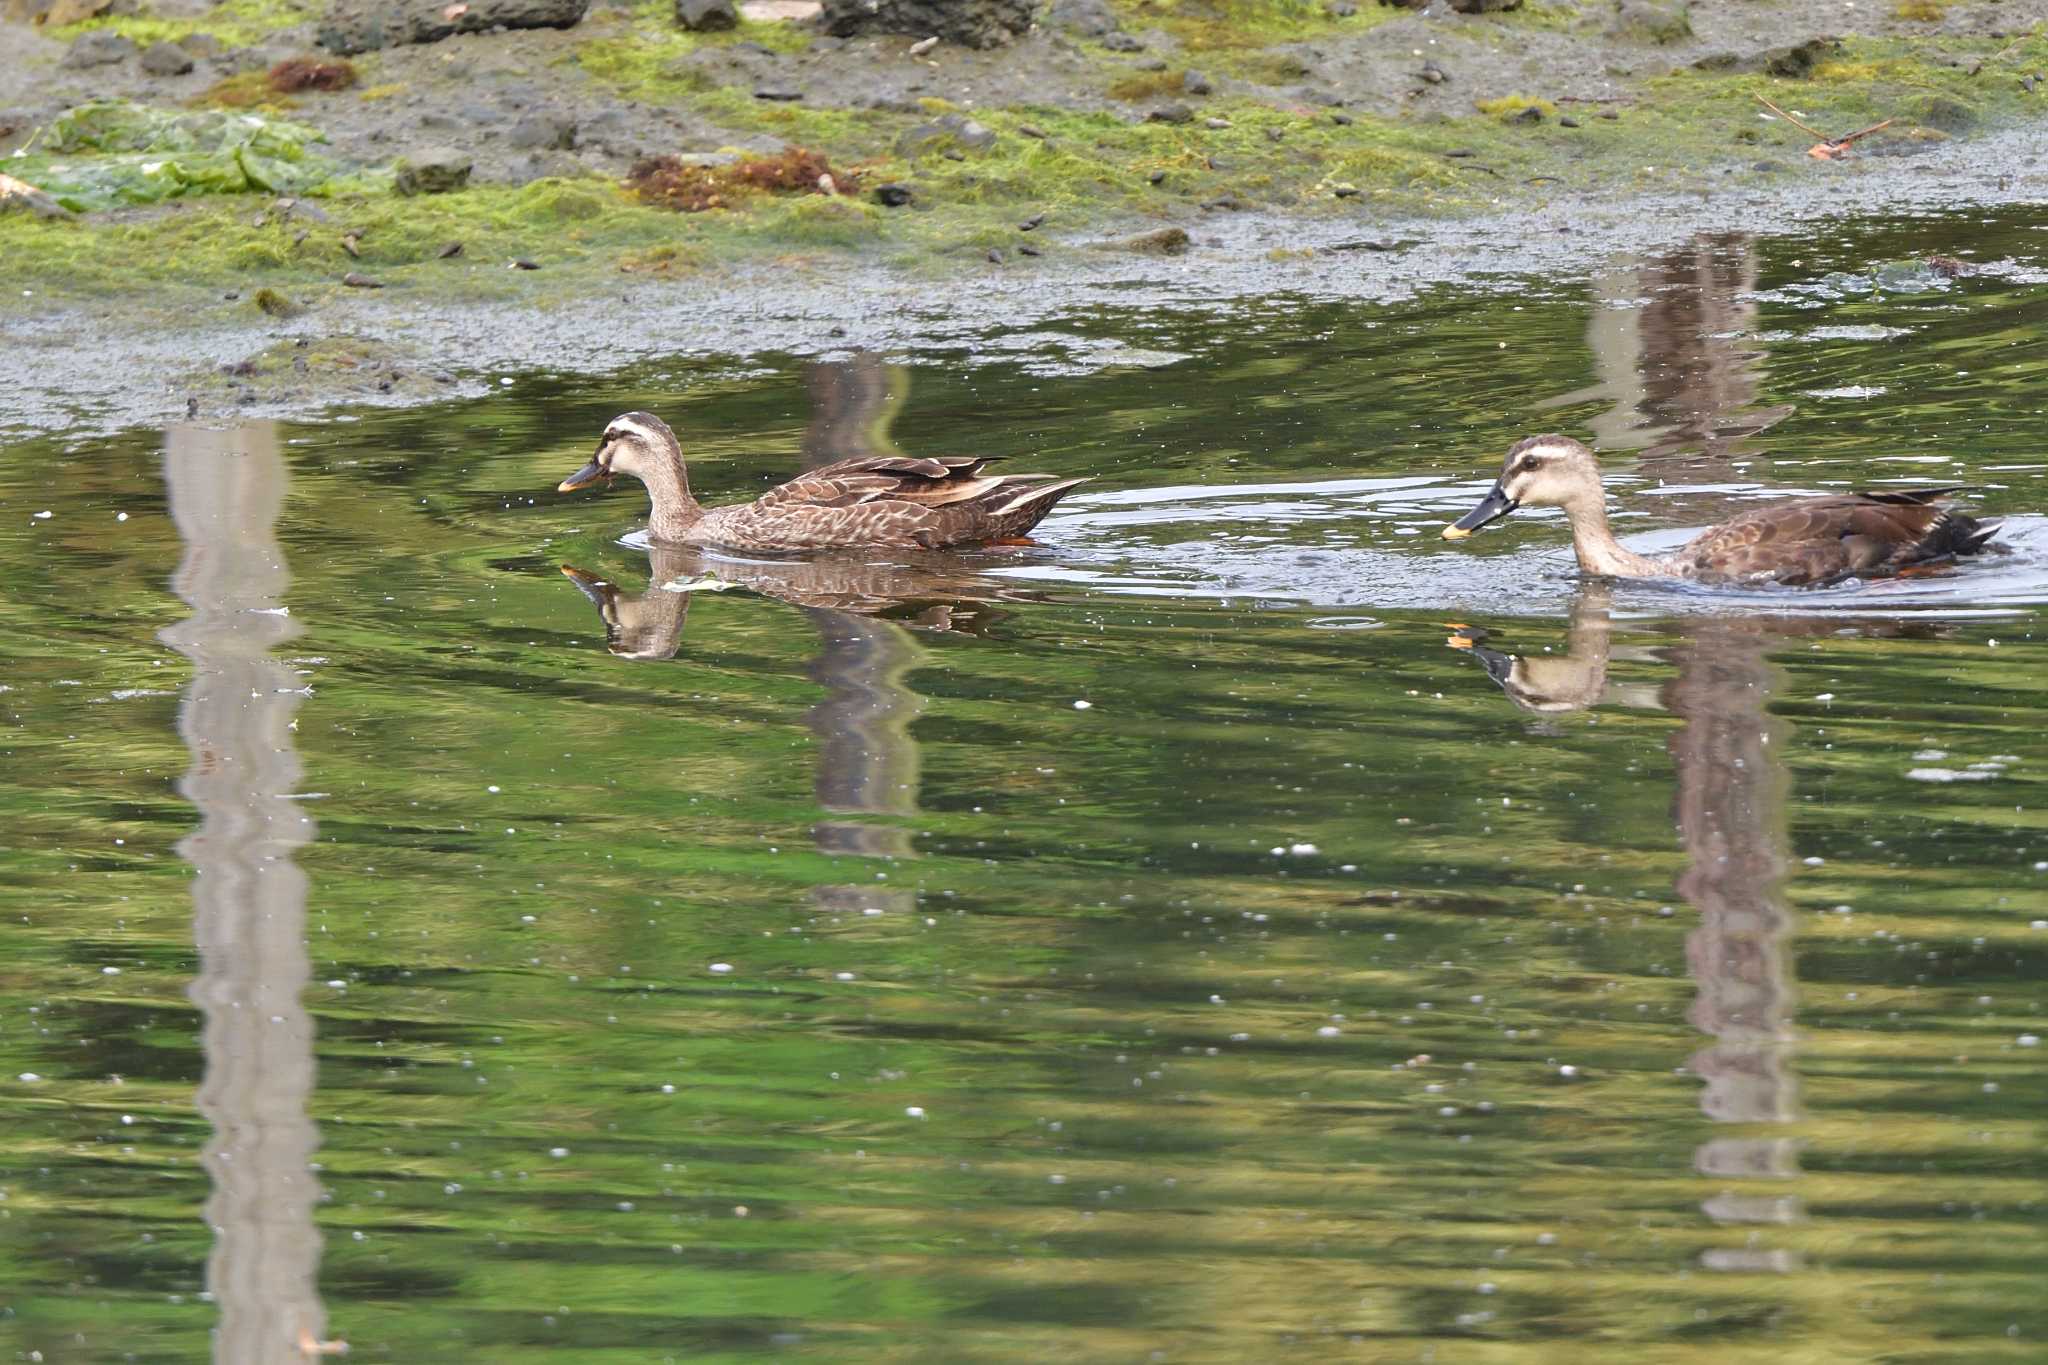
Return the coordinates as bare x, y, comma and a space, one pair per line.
675, 511
1594, 543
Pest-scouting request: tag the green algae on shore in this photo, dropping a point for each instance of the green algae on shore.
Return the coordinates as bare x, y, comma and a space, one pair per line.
1093, 169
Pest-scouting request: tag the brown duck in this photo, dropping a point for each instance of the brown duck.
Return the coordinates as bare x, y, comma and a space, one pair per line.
884, 502
1804, 542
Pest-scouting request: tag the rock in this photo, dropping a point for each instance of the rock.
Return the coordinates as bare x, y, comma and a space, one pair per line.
449, 252
1156, 178
1661, 22
995, 256
1798, 61
1226, 200
368, 25
779, 94
101, 47
1171, 113
893, 195
1195, 83
707, 16
166, 59
1433, 73
202, 45
18, 196
433, 170
949, 132
543, 128
1032, 223
1123, 42
1529, 114
1167, 241
1567, 122
969, 23
1085, 18
356, 281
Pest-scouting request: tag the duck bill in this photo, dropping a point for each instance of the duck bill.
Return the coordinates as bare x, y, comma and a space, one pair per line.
584, 477
1492, 507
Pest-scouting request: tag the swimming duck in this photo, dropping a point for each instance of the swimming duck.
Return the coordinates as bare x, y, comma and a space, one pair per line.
888, 502
1804, 542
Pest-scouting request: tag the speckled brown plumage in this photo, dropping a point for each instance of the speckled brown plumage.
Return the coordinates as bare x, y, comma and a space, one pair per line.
885, 502
1825, 539
1806, 542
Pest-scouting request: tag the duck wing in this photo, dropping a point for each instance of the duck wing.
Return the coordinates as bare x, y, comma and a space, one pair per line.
1820, 540
931, 481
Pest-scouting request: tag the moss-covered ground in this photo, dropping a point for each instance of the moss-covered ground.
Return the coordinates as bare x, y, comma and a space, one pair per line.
1089, 171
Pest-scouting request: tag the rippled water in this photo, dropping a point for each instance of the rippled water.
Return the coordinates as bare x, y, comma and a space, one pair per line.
1243, 927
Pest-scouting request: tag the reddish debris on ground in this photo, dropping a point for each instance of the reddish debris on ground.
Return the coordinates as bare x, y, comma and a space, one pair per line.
687, 188
311, 73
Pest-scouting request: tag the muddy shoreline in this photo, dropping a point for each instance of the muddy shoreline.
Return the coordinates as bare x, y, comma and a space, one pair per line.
151, 314
86, 369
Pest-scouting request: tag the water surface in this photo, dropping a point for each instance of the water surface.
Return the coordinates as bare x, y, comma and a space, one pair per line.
1244, 927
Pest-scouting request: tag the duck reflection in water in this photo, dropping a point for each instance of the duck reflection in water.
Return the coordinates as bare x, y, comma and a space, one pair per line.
865, 615
1730, 808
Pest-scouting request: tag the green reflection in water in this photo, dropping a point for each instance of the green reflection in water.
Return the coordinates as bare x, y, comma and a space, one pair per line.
797, 969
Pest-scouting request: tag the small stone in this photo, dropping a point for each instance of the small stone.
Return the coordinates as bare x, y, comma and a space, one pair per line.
1171, 113
1530, 114
893, 195
101, 47
1226, 200
1167, 241
543, 129
922, 46
1218, 123
1567, 122
1342, 120
707, 16
1156, 178
1607, 114
433, 170
449, 251
524, 264
1433, 73
1032, 130
166, 59
1343, 9
778, 94
1088, 18
1123, 42
1031, 224
202, 45
1026, 249
356, 281
1195, 83
1346, 191
995, 256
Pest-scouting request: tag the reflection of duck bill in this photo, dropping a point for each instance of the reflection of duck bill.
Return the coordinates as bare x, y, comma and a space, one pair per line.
1499, 666
1495, 505
600, 591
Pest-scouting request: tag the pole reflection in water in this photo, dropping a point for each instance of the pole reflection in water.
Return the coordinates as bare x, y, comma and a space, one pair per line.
1669, 336
248, 895
867, 760
1730, 810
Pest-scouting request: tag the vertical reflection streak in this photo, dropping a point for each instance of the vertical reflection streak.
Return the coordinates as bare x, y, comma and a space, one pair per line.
248, 895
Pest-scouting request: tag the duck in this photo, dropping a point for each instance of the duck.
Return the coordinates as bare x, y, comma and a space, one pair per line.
883, 502
1806, 542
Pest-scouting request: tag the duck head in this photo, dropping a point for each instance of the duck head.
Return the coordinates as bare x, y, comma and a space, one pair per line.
1541, 471
635, 443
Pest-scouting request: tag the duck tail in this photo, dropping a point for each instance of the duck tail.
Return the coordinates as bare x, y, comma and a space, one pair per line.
1027, 507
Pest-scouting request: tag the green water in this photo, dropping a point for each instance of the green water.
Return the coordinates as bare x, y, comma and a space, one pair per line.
1246, 927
